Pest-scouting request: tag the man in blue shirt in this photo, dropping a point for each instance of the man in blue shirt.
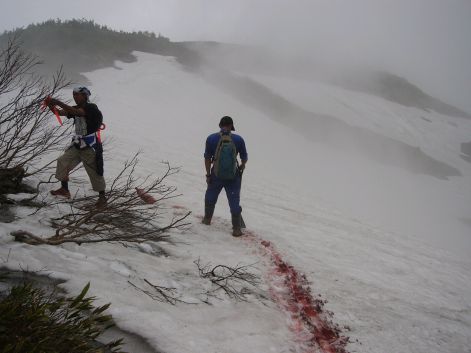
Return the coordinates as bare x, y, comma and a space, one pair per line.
213, 156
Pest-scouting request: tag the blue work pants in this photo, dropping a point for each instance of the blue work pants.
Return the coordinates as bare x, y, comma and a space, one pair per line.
232, 188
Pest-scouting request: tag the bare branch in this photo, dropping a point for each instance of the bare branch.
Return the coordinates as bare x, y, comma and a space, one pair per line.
160, 293
236, 282
125, 218
27, 133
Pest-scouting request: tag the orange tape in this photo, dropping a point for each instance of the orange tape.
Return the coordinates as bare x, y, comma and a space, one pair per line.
54, 109
98, 133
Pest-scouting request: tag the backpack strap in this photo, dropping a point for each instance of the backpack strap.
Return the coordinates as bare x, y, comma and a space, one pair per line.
218, 149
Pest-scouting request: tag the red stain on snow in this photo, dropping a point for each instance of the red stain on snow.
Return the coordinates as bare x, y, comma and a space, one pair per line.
309, 322
146, 197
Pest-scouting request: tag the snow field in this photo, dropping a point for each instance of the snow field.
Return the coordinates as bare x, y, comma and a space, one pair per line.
396, 293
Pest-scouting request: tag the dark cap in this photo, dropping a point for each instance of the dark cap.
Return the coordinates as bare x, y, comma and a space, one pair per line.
82, 89
226, 121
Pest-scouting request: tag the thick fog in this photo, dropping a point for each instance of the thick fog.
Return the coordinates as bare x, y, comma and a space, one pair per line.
426, 41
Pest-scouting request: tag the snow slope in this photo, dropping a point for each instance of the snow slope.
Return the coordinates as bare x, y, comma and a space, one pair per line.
412, 204
395, 291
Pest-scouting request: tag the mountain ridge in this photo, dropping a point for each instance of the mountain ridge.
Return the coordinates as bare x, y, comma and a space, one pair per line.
60, 43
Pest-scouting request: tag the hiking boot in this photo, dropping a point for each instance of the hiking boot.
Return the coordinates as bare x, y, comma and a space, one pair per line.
236, 225
102, 202
61, 192
208, 214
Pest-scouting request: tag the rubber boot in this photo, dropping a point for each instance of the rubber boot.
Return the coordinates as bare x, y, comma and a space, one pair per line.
208, 214
236, 225
242, 223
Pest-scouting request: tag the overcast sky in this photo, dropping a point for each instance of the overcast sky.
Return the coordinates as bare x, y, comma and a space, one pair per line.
428, 41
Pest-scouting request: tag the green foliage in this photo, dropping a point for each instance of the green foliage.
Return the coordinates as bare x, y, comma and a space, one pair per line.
85, 34
36, 322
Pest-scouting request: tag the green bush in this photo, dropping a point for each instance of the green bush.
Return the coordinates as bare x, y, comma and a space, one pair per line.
34, 321
82, 45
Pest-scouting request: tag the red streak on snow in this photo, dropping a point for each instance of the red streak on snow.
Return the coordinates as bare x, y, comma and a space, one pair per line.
145, 196
313, 330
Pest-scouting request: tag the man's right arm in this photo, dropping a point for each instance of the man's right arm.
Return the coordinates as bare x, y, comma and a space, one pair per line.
208, 158
65, 109
62, 112
243, 154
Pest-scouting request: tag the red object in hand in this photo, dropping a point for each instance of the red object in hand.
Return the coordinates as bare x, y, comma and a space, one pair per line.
145, 196
98, 133
46, 103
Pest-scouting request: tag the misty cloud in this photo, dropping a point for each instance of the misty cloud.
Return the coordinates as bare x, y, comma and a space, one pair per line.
425, 41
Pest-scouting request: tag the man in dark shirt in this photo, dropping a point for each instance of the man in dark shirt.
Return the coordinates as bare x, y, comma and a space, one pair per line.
215, 183
85, 145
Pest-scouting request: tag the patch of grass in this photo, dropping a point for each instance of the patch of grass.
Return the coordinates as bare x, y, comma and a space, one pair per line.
34, 321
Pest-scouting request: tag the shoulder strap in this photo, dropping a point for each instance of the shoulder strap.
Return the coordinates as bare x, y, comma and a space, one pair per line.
218, 147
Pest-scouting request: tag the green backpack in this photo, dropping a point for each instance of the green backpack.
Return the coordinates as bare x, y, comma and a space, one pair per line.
225, 160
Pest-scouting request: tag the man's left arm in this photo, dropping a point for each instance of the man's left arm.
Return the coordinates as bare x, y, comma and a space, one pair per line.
207, 165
